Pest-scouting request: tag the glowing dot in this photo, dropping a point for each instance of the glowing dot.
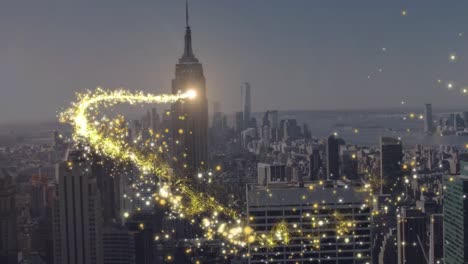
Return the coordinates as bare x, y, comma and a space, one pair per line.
206, 222
191, 94
181, 131
404, 12
453, 57
126, 214
450, 85
218, 167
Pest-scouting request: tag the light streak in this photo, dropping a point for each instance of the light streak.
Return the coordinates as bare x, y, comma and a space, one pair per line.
108, 138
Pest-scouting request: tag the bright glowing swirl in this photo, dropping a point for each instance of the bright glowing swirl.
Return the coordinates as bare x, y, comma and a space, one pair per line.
182, 199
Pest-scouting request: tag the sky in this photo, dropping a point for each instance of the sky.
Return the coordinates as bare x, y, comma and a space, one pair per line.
297, 55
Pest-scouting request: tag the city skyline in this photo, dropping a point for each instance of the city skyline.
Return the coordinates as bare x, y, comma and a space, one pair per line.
134, 173
135, 46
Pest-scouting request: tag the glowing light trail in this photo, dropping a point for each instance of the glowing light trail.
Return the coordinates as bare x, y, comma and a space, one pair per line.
107, 139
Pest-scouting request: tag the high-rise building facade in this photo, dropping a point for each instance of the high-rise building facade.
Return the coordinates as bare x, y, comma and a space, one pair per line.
428, 123
333, 158
102, 172
391, 157
271, 173
315, 163
436, 238
8, 241
456, 217
411, 232
118, 245
190, 117
77, 221
239, 122
246, 104
334, 223
384, 229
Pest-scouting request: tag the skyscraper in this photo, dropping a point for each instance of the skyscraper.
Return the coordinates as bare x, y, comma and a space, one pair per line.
273, 118
384, 229
102, 172
333, 158
391, 152
465, 118
456, 217
349, 165
315, 164
190, 117
246, 104
290, 129
8, 245
77, 214
428, 125
411, 232
118, 245
436, 238
239, 122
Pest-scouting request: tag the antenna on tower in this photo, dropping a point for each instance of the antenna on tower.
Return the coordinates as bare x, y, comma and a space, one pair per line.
186, 14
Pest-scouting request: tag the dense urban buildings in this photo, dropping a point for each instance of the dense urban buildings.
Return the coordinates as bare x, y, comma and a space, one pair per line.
165, 185
332, 221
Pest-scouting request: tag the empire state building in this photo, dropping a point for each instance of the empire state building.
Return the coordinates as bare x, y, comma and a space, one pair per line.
190, 117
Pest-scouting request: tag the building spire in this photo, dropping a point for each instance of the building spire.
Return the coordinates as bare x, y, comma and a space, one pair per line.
188, 52
186, 14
